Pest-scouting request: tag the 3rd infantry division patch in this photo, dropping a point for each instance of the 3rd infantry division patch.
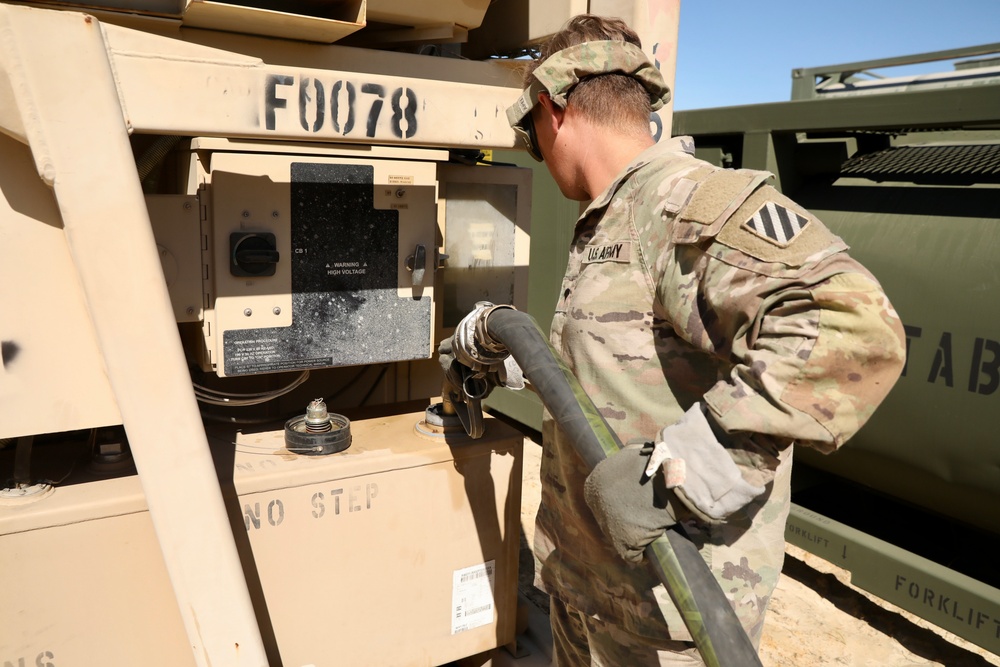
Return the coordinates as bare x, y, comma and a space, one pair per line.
776, 224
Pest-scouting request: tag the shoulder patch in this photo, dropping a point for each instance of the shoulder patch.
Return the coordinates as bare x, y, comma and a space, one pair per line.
772, 228
777, 224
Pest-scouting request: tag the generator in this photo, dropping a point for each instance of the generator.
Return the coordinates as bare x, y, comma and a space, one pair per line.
234, 235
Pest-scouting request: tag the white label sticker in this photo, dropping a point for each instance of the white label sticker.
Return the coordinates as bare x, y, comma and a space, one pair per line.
472, 602
481, 237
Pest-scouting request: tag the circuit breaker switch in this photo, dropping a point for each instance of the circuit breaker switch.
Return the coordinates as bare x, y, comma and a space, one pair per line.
253, 254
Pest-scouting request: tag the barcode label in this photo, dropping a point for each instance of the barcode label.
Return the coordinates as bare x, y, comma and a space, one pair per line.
472, 597
472, 576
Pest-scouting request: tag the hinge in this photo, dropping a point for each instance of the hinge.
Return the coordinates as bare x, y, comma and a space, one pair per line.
208, 307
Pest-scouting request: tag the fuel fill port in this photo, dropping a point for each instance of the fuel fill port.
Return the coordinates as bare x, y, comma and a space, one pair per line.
317, 432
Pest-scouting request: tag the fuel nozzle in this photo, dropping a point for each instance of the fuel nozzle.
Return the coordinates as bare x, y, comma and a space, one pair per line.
476, 358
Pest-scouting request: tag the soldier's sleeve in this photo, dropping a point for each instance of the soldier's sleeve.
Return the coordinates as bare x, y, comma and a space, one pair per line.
812, 341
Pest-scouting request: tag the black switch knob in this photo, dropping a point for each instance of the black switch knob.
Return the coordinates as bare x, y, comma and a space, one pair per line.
252, 254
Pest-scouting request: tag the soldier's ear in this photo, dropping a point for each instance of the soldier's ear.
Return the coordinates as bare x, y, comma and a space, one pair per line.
554, 113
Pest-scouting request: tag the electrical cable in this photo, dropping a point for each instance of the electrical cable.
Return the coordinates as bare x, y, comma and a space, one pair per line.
225, 398
350, 383
378, 381
85, 452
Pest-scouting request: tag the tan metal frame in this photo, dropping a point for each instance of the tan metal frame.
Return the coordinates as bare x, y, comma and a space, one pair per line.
75, 107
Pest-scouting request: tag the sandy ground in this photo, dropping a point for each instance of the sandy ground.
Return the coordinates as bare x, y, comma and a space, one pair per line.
816, 617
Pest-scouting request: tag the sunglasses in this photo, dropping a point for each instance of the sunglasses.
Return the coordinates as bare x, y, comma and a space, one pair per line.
525, 129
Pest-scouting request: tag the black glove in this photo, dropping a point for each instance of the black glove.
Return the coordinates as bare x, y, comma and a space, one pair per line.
624, 503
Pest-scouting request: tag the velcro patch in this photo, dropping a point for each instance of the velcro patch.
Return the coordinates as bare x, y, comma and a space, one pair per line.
718, 195
776, 224
608, 252
717, 191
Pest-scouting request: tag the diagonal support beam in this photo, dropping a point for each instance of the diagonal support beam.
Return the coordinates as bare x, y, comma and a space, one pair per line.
72, 119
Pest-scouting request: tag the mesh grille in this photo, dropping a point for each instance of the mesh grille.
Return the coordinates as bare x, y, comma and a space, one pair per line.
929, 164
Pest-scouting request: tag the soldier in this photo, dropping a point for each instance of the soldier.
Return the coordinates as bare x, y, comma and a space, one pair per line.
702, 311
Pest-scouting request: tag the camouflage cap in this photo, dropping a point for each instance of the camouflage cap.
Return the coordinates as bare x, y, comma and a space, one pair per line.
558, 74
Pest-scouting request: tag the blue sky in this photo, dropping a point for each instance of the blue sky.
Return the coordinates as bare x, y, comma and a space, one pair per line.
742, 52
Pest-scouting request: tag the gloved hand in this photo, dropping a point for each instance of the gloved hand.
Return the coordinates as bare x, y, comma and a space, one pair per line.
633, 503
699, 470
623, 499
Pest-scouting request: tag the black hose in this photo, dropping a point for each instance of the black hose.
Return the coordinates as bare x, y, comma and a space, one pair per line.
709, 617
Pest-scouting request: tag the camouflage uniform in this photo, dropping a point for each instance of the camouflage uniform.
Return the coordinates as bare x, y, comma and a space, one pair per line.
687, 283
578, 639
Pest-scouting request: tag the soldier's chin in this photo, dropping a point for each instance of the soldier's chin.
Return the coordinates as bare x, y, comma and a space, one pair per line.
573, 192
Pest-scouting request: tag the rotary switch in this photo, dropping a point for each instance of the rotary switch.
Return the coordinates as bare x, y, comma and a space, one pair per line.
252, 254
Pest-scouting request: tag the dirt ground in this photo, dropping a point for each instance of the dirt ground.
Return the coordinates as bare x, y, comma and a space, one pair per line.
815, 617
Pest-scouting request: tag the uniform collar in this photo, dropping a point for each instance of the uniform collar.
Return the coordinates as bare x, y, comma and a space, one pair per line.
682, 146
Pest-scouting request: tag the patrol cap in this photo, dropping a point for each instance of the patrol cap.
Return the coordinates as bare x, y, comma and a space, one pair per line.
558, 74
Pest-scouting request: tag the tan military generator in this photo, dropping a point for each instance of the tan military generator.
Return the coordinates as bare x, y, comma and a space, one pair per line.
231, 237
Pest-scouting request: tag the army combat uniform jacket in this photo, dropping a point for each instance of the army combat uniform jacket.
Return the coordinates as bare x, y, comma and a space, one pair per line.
689, 286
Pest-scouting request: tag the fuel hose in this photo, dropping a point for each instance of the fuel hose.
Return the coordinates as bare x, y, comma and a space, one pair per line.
675, 561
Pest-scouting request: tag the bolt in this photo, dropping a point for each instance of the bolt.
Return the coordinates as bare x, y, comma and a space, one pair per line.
274, 214
246, 214
248, 312
276, 311
190, 310
187, 206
